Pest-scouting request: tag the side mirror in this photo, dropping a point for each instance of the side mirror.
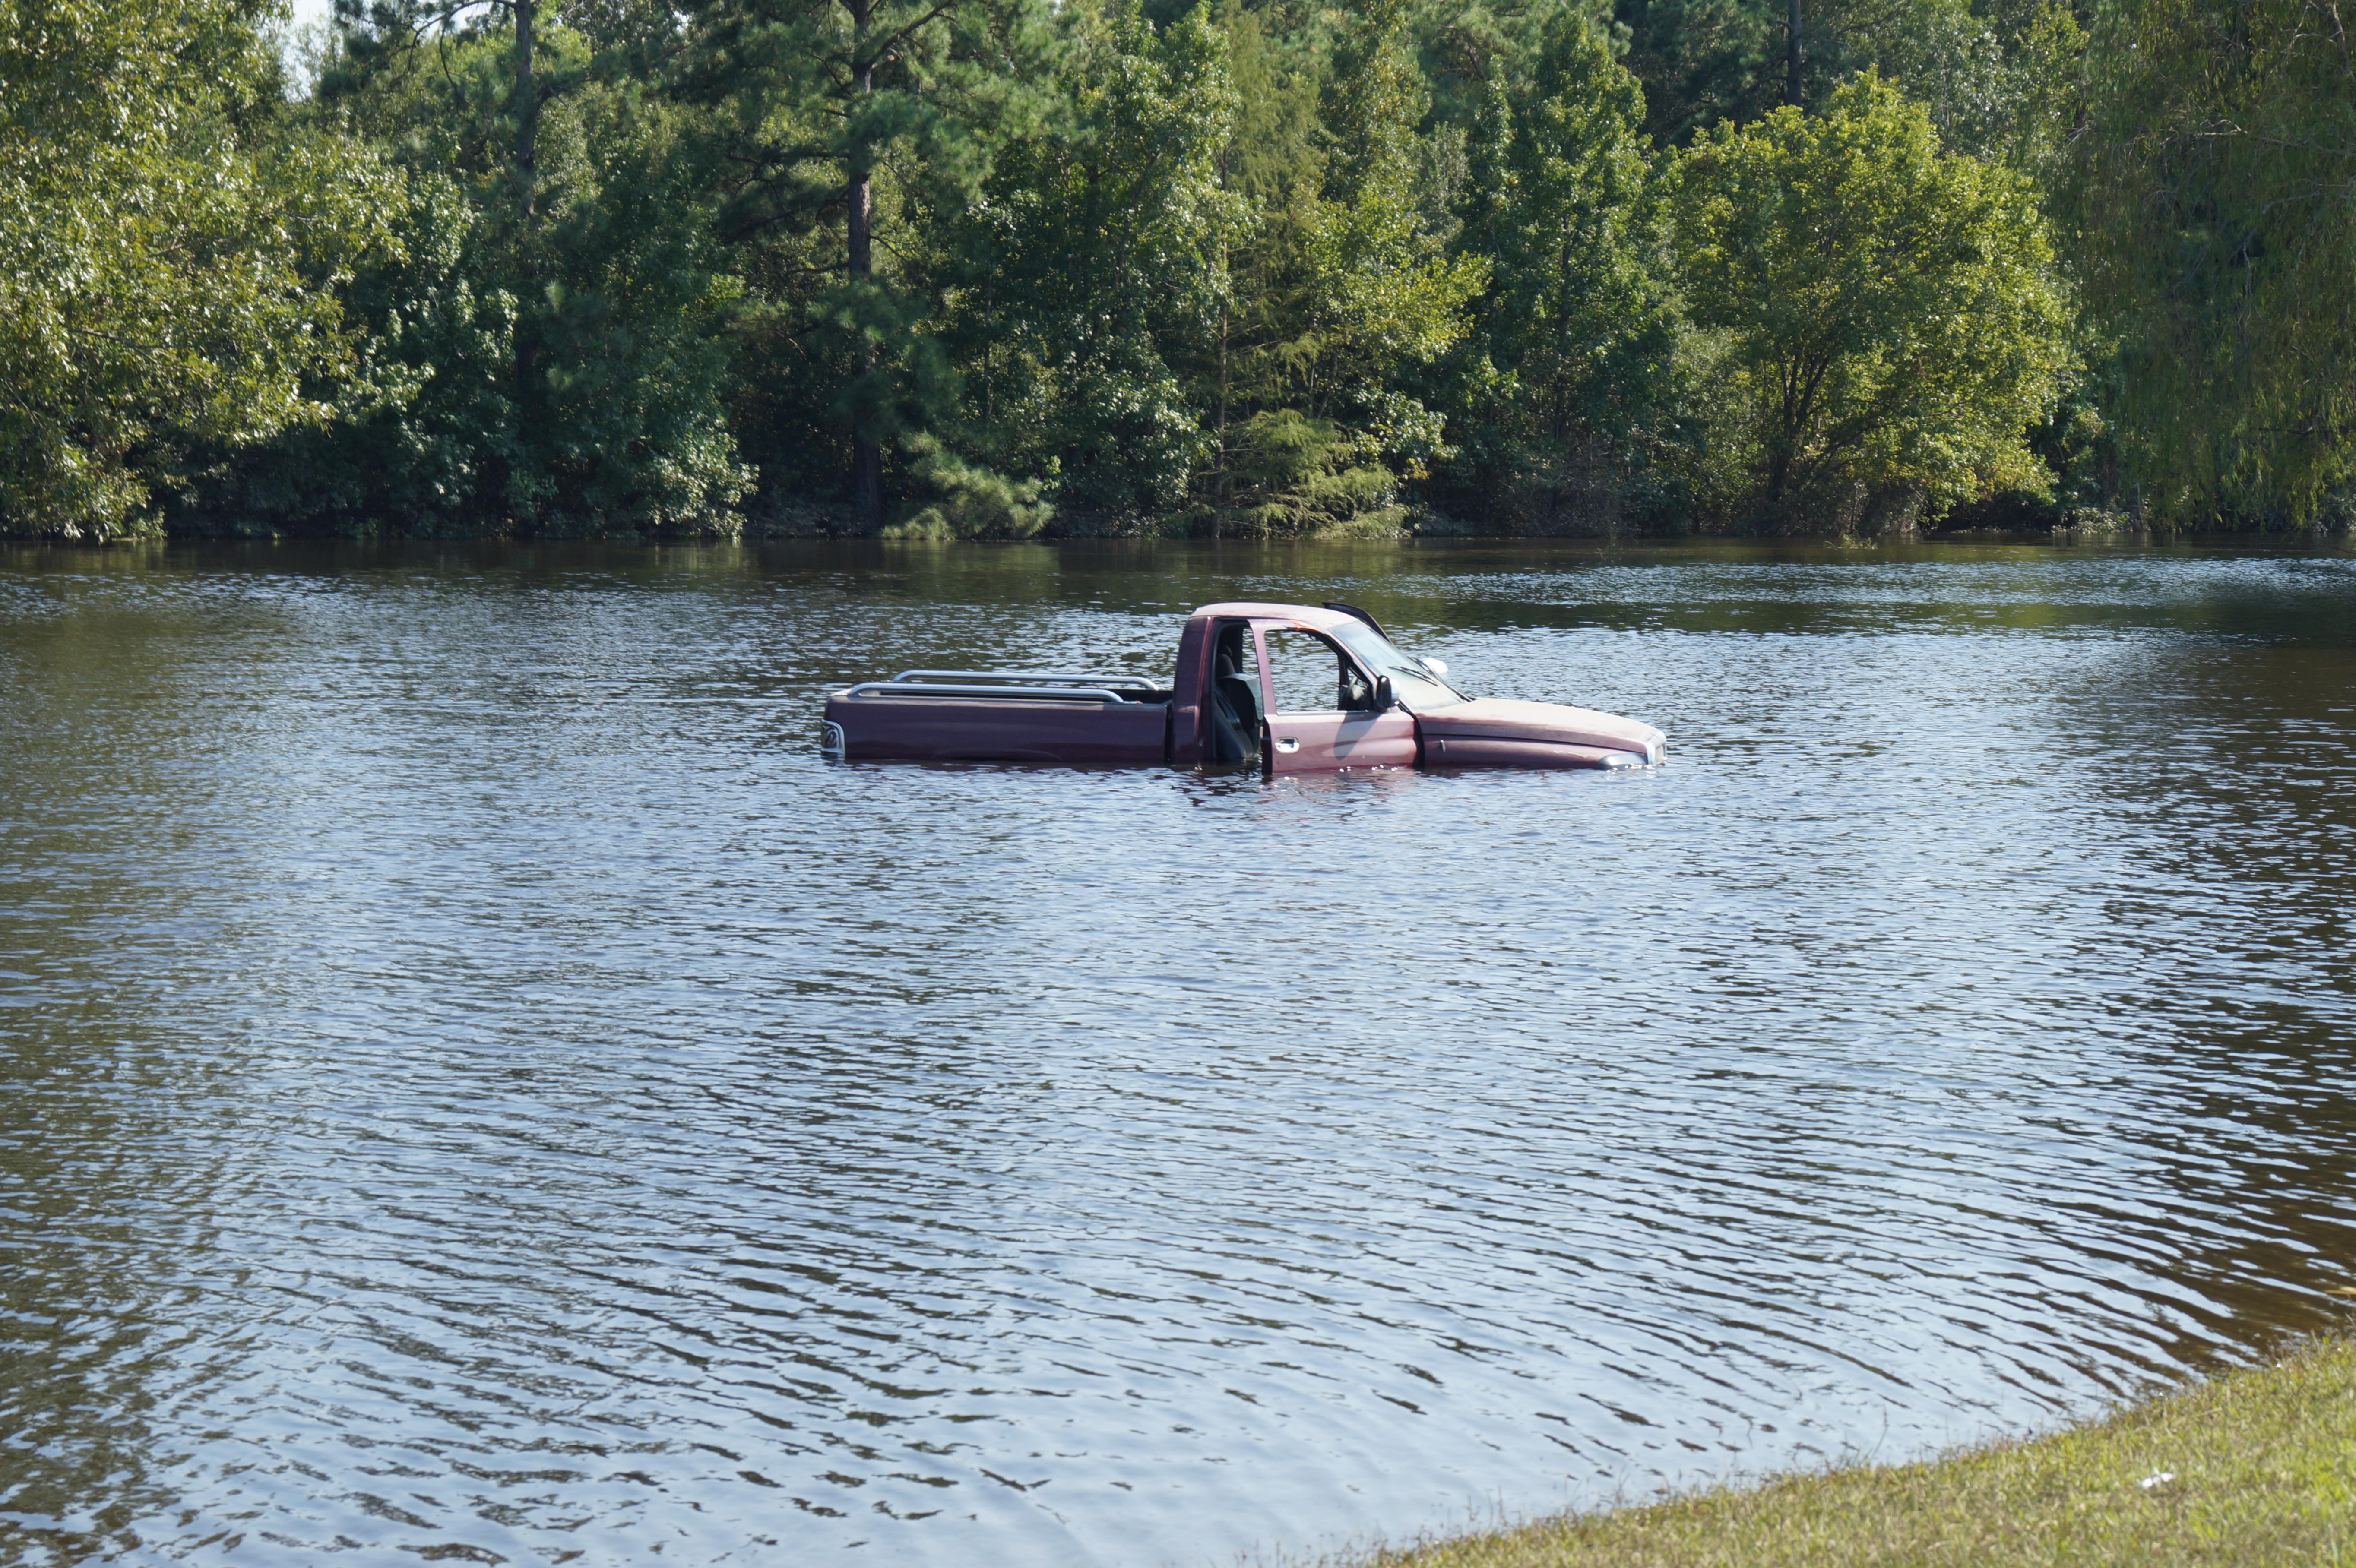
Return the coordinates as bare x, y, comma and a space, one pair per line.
1385, 699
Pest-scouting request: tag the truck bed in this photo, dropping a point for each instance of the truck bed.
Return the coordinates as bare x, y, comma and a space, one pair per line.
1074, 719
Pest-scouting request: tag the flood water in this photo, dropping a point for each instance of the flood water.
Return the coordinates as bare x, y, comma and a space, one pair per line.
475, 1084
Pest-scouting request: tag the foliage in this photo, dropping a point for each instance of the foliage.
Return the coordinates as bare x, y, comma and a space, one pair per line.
991, 268
1703, 62
423, 419
2211, 189
169, 258
970, 502
1289, 474
1343, 293
1570, 366
880, 115
607, 287
1994, 74
1890, 322
1999, 81
1075, 285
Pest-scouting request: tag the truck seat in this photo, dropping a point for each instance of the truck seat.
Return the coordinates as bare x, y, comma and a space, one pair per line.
1235, 715
1240, 697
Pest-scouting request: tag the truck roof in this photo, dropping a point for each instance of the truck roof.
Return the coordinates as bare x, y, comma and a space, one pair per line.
1253, 609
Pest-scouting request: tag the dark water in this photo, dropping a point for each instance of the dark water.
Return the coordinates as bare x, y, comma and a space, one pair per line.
475, 1084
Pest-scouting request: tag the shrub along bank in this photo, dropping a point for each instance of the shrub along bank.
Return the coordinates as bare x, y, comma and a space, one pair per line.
2254, 1468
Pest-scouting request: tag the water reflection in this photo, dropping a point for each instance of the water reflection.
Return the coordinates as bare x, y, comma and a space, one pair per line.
477, 1085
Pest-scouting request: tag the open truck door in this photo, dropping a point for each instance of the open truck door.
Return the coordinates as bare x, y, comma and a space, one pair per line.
1326, 712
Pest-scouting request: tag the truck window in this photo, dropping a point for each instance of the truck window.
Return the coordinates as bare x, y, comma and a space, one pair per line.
1310, 674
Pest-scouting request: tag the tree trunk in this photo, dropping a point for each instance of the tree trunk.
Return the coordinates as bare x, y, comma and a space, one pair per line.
524, 370
1226, 488
527, 102
866, 454
1227, 478
1560, 424
1792, 58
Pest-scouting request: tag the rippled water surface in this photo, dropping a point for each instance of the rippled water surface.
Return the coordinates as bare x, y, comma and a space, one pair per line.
475, 1084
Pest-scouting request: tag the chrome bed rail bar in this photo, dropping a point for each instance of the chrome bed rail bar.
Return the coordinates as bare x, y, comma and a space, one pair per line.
1051, 678
936, 688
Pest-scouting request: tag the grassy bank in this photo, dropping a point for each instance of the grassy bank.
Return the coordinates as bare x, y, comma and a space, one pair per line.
2255, 1468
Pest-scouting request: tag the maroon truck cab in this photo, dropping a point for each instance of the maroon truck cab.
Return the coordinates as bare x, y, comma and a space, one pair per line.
1284, 687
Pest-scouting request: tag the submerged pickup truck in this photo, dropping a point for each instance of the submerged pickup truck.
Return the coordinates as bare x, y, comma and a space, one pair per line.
1290, 687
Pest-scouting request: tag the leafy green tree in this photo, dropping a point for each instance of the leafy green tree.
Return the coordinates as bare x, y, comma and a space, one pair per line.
169, 254
1272, 165
506, 86
833, 127
1385, 293
573, 243
2217, 241
1576, 332
1888, 320
1343, 291
1470, 50
1076, 286
1704, 61
1999, 78
1994, 74
421, 428
631, 429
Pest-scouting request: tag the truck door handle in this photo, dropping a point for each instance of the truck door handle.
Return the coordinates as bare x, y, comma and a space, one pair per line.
1288, 744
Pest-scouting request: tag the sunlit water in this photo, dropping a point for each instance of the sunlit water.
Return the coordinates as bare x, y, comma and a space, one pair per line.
475, 1084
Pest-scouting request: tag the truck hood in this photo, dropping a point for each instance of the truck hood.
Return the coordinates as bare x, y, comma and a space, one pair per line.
1503, 719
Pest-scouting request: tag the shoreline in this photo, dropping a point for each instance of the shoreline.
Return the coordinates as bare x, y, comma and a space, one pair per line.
2255, 1465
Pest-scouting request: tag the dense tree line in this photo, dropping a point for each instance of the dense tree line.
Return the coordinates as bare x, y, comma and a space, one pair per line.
986, 268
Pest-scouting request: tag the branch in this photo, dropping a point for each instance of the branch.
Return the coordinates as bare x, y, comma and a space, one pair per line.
896, 40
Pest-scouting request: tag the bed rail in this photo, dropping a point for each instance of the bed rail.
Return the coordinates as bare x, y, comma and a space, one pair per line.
940, 688
1049, 677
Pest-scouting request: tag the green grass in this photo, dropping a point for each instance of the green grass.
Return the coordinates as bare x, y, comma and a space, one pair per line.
2262, 1468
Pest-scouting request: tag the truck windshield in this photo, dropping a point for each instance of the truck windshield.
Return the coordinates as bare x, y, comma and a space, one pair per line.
1412, 684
